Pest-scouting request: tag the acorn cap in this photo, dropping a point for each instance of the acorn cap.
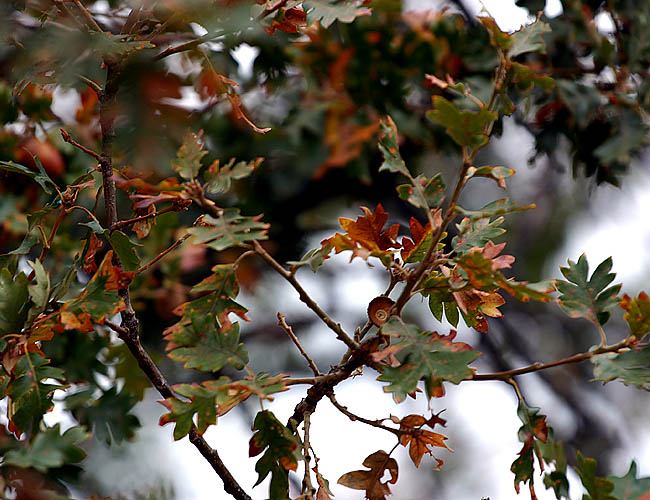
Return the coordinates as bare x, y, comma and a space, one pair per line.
379, 310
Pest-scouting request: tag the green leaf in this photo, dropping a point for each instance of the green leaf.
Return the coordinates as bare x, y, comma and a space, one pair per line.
29, 241
533, 430
498, 174
328, 11
494, 208
599, 488
525, 78
222, 281
219, 179
315, 258
553, 453
30, 397
423, 356
498, 38
631, 135
188, 158
39, 292
631, 367
424, 193
109, 416
476, 234
529, 39
629, 486
116, 46
204, 345
281, 453
49, 450
389, 148
637, 314
228, 230
590, 299
214, 398
40, 177
466, 128
125, 249
14, 301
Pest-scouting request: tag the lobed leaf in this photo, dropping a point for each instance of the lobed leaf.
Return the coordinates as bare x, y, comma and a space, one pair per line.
49, 449
365, 237
637, 314
328, 11
14, 301
188, 158
629, 486
498, 174
423, 193
31, 392
533, 431
598, 488
219, 179
281, 453
466, 128
202, 344
423, 356
587, 298
228, 230
630, 367
388, 145
378, 462
492, 209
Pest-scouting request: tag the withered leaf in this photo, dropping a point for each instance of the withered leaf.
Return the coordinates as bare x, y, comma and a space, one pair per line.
370, 480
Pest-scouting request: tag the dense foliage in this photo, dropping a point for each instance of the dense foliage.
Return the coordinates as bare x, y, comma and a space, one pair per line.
131, 225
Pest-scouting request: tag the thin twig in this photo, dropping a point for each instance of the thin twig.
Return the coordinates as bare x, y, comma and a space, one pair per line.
357, 418
173, 246
89, 17
283, 323
176, 206
576, 358
304, 297
188, 45
91, 83
68, 138
307, 487
48, 243
130, 324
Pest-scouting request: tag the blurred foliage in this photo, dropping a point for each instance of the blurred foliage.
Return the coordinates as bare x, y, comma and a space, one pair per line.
577, 83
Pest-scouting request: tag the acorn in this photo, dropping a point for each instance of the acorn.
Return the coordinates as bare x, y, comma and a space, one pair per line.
379, 310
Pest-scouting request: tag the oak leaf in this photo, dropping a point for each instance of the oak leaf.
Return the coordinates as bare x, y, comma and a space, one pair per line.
366, 237
370, 480
419, 439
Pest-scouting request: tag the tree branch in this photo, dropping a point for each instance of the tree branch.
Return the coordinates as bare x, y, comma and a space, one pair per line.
128, 330
576, 358
282, 322
357, 418
68, 138
176, 206
304, 297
